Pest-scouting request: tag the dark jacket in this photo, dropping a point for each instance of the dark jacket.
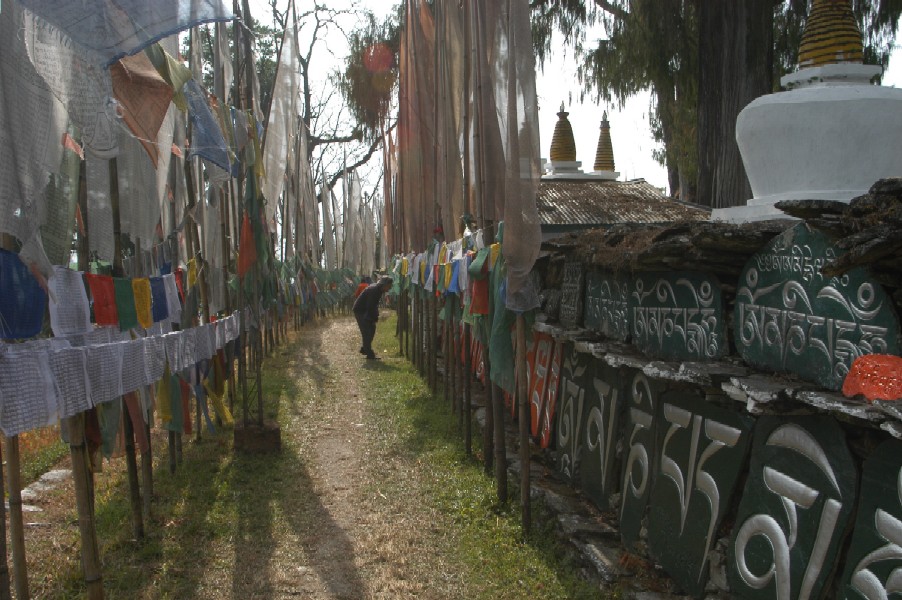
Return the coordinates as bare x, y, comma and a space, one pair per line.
367, 303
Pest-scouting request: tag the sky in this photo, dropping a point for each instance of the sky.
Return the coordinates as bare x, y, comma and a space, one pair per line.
556, 83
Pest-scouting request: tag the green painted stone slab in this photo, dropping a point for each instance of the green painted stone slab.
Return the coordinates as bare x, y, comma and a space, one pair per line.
795, 509
571, 314
703, 450
607, 305
677, 316
874, 560
791, 318
599, 471
641, 405
577, 370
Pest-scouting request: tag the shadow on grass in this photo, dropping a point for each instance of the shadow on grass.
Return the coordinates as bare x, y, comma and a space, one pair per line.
430, 433
218, 497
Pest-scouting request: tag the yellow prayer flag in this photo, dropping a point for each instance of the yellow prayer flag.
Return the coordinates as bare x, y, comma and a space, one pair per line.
164, 402
218, 405
192, 273
141, 289
495, 251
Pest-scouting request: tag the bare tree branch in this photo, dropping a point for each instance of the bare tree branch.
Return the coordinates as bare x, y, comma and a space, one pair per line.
611, 8
377, 143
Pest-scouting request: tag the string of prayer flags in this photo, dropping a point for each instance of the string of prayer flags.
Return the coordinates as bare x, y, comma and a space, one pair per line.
109, 31
143, 311
103, 296
192, 273
159, 301
175, 73
69, 365
27, 390
144, 98
173, 304
164, 396
70, 313
207, 140
22, 300
247, 249
133, 408
125, 303
110, 417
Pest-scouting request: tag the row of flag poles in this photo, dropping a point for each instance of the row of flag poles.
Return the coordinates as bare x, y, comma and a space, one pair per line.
107, 134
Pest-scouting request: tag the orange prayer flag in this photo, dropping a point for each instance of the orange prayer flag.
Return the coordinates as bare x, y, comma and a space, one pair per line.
247, 248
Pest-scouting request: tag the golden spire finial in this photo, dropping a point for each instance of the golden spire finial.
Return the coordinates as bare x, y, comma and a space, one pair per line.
831, 35
604, 153
563, 146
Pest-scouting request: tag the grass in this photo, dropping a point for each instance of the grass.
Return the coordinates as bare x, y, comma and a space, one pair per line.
40, 450
487, 538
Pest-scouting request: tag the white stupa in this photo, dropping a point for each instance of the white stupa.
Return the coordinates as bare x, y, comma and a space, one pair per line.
831, 135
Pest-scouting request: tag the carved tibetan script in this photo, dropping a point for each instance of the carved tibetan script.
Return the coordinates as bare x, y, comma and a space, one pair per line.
677, 316
874, 560
639, 453
576, 384
702, 451
795, 508
790, 317
599, 472
607, 305
572, 295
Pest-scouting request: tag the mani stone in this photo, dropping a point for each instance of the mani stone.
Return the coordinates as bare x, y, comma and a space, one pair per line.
795, 508
790, 317
703, 450
874, 554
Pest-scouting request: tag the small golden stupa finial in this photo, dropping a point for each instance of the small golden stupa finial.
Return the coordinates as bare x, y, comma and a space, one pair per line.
604, 153
831, 35
563, 146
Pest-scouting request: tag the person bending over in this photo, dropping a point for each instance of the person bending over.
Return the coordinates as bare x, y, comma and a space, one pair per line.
366, 310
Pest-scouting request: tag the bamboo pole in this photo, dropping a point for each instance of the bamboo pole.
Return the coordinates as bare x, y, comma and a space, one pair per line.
5, 593
446, 387
499, 443
90, 553
467, 367
488, 431
78, 451
468, 399
16, 526
146, 456
523, 420
130, 458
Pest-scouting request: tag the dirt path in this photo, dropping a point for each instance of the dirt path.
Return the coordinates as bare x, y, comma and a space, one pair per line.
360, 542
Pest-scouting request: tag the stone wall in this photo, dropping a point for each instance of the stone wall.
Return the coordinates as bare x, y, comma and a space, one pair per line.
704, 411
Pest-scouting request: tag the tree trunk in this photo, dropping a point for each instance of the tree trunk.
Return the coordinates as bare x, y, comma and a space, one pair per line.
735, 56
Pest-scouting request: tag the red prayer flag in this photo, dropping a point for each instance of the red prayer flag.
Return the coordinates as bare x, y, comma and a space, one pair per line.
103, 297
247, 249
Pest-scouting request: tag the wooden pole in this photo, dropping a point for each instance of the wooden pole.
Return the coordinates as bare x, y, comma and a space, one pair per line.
146, 455
446, 330
5, 593
90, 553
433, 339
523, 420
468, 398
78, 451
131, 461
16, 526
500, 443
467, 367
488, 432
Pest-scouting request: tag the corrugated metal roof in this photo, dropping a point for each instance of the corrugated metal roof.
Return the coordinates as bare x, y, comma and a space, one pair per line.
600, 202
